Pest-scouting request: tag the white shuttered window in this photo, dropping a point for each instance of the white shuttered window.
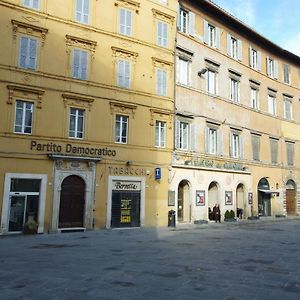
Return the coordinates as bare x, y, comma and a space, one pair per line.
161, 82
124, 70
80, 64
82, 11
162, 34
35, 4
125, 22
28, 53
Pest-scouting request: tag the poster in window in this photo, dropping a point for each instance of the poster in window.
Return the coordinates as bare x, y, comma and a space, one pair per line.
200, 198
228, 198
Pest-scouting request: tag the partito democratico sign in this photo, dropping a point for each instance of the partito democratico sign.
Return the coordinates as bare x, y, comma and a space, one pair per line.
70, 149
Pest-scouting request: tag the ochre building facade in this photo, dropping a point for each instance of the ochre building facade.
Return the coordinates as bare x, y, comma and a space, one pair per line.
237, 119
86, 113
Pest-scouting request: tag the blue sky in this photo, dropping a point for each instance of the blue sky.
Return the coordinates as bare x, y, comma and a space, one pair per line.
277, 20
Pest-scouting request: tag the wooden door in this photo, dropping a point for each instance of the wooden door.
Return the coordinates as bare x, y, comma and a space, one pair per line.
72, 202
291, 202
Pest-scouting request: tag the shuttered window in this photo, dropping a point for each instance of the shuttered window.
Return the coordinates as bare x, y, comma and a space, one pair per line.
186, 22
125, 21
162, 34
35, 4
80, 64
274, 150
234, 47
211, 82
161, 82
272, 68
185, 135
286, 74
288, 108
255, 139
23, 117
28, 53
124, 70
290, 153
236, 145
255, 59
82, 11
213, 141
211, 35
234, 90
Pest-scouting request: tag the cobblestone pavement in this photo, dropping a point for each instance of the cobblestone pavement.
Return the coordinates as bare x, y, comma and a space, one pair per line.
243, 260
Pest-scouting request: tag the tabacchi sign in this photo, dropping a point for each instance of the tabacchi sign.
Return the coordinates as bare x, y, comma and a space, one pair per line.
71, 149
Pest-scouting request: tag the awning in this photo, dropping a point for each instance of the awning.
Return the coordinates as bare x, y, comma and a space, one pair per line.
269, 191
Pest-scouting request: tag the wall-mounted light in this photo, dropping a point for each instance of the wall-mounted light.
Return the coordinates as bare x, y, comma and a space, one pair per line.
202, 72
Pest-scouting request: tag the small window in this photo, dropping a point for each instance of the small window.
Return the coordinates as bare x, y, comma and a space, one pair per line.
236, 150
28, 53
212, 141
76, 123
234, 90
160, 134
80, 64
35, 4
162, 34
161, 82
183, 71
125, 22
183, 135
121, 129
183, 21
272, 68
272, 105
255, 59
211, 35
234, 47
23, 117
254, 98
211, 82
82, 11
124, 70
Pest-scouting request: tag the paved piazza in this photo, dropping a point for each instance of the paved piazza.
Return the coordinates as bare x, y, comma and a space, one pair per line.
242, 260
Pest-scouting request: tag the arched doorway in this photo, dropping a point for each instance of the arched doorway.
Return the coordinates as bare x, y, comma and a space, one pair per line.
240, 200
291, 207
183, 202
72, 202
264, 198
213, 194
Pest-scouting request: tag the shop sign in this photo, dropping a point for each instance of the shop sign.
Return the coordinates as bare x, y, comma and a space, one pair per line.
127, 171
157, 173
126, 186
70, 149
212, 164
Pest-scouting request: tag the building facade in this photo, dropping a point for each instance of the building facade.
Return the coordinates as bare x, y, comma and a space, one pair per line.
237, 118
86, 126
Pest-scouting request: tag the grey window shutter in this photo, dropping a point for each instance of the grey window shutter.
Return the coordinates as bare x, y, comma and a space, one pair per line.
255, 147
32, 53
177, 134
24, 41
86, 10
274, 150
290, 153
127, 74
219, 142
76, 62
240, 49
242, 147
268, 68
79, 10
217, 38
84, 64
192, 138
250, 56
258, 60
205, 27
35, 4
206, 133
229, 44
275, 69
191, 23
178, 17
230, 144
